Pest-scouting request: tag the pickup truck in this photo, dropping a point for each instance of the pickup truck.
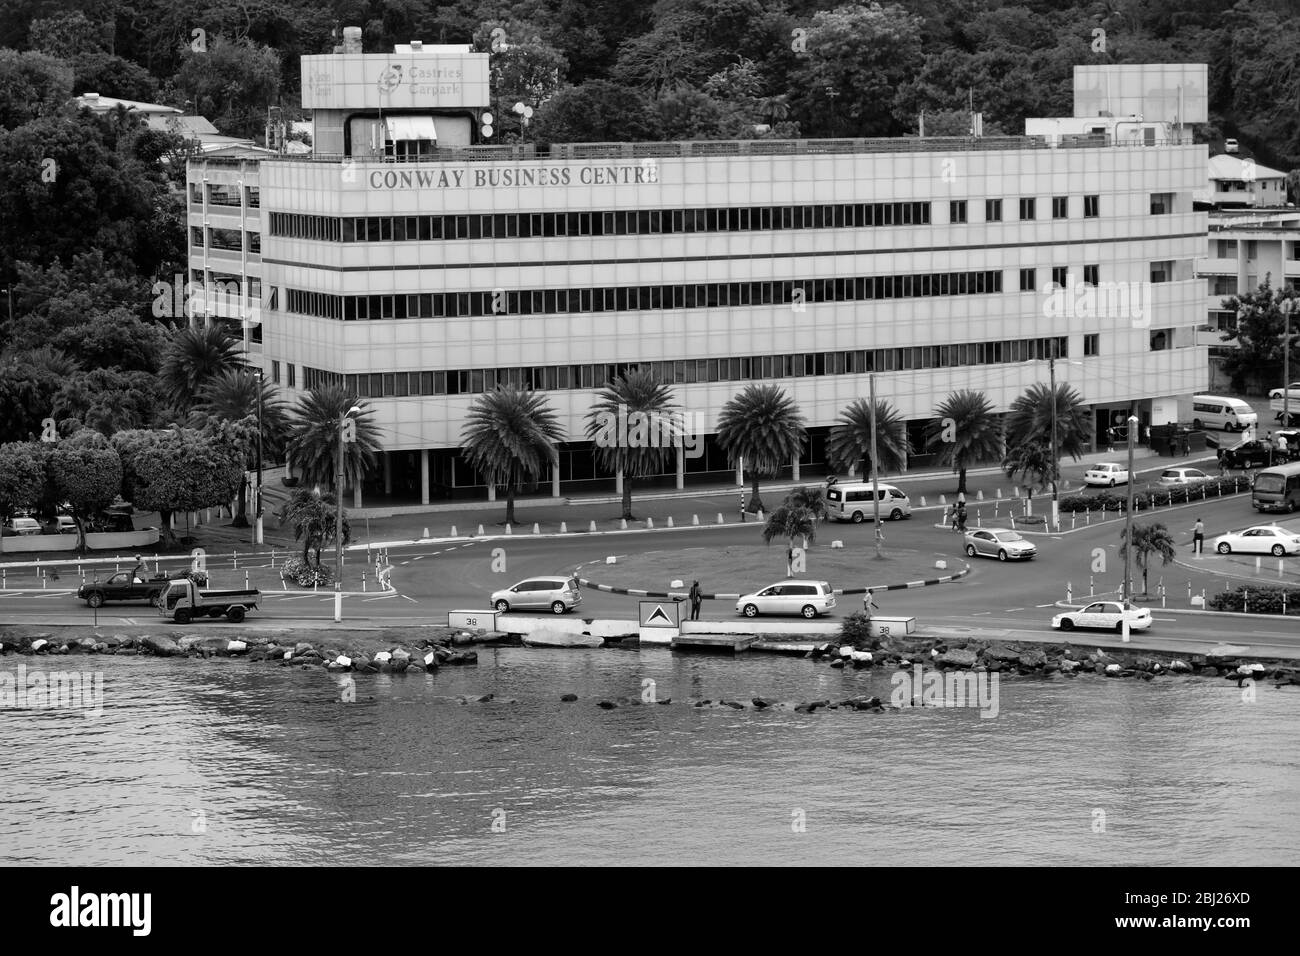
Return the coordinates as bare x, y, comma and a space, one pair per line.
123, 586
1251, 454
184, 601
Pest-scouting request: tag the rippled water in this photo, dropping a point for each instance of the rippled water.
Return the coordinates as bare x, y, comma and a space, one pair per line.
284, 772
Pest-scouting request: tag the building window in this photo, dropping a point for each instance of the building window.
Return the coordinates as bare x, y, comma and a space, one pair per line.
291, 368
275, 372
1026, 209
1060, 207
1028, 281
1092, 344
1091, 275
993, 210
1163, 272
1161, 339
1162, 204
1091, 207
1060, 276
957, 210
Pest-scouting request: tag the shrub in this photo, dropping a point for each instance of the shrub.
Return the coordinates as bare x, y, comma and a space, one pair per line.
855, 629
305, 575
1148, 499
1258, 599
290, 481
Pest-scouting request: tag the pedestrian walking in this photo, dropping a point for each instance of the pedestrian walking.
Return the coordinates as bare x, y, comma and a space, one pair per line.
140, 569
869, 609
695, 597
950, 517
1198, 537
961, 518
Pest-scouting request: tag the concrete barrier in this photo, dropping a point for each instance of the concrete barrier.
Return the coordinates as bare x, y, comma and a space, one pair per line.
96, 541
513, 623
760, 627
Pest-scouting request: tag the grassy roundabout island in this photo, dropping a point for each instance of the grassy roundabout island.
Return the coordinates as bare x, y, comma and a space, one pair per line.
740, 569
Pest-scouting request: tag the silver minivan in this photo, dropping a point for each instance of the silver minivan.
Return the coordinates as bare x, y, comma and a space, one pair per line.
559, 594
1227, 414
853, 501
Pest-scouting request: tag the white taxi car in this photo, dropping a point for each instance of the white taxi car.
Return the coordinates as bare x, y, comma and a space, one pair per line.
1261, 539
1105, 615
806, 598
1106, 474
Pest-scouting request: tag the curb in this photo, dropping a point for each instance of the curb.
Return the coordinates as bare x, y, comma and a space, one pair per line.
667, 595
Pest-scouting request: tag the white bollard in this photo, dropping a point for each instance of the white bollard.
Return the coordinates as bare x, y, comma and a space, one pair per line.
649, 522
760, 514
979, 496
1015, 491
836, 545
695, 520
999, 492
670, 521
234, 560
923, 501
720, 521
622, 524
480, 529
509, 529
592, 529
245, 580
536, 528
1069, 593
564, 527
453, 532
426, 534
943, 499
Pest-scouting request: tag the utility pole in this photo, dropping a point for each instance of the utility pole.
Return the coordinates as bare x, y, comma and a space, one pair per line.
257, 495
1128, 517
1056, 455
338, 518
875, 484
1286, 306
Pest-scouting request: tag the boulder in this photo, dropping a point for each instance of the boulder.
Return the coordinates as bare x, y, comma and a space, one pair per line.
383, 657
189, 641
838, 663
1069, 666
759, 703
38, 645
568, 698
610, 705
957, 657
1034, 657
1111, 670
211, 644
401, 654
994, 667
302, 648
544, 638
398, 667
161, 645
463, 657
236, 647
1000, 652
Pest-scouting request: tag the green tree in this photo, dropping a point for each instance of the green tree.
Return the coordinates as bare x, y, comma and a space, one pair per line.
234, 397
849, 441
85, 472
22, 475
314, 517
762, 425
32, 85
29, 382
194, 357
1030, 421
313, 443
1032, 461
635, 425
232, 83
509, 435
1261, 320
966, 431
797, 516
527, 70
67, 35
107, 400
1149, 541
595, 112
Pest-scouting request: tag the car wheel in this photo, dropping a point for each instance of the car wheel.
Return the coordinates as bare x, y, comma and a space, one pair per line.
1119, 627
896, 514
751, 610
1290, 507
1278, 551
502, 606
970, 550
182, 616
1112, 482
156, 599
1002, 555
1067, 624
1224, 548
95, 599
857, 517
808, 611
557, 607
235, 615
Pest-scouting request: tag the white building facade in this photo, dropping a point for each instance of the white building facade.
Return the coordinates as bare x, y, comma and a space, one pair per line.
936, 264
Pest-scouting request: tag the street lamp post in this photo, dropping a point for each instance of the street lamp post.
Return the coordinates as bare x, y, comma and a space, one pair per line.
1128, 517
257, 496
338, 517
1056, 455
875, 487
1286, 307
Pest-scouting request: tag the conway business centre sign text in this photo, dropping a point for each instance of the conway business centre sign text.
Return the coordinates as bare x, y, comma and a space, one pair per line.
519, 176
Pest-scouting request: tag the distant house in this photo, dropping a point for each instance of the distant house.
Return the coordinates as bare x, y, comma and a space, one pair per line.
196, 129
1238, 183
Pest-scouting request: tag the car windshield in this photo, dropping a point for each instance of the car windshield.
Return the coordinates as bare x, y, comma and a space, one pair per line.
1269, 484
1008, 536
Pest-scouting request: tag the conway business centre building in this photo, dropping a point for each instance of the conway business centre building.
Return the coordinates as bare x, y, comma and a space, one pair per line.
417, 265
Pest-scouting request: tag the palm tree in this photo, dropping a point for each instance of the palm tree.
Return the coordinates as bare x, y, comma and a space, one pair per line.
1030, 420
1032, 460
790, 520
1148, 540
761, 425
313, 515
509, 434
634, 423
233, 397
314, 437
195, 356
965, 431
850, 440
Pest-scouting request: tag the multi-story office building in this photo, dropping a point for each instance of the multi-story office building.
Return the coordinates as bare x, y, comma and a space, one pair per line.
418, 268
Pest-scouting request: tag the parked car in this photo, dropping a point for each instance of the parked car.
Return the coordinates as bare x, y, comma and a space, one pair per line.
23, 526
808, 598
1104, 615
124, 586
999, 543
1179, 477
1106, 474
1293, 389
560, 594
1250, 454
64, 524
1260, 539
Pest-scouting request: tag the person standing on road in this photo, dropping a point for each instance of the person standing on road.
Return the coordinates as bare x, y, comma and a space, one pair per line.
141, 569
695, 597
961, 517
1198, 537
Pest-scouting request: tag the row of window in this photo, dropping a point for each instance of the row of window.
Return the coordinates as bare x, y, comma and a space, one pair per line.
231, 239
617, 223
686, 372
796, 294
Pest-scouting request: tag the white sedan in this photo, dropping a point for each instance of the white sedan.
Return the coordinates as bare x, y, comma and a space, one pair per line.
1261, 539
1173, 477
1106, 615
1293, 389
1106, 474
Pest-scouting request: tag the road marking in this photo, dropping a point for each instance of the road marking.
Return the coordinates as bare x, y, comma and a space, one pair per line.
978, 613
128, 620
384, 597
412, 600
1044, 605
1015, 609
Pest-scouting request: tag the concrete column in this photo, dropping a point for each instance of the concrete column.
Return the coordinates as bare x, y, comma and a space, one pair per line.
424, 476
795, 468
492, 492
356, 493
681, 467
387, 458
555, 480
740, 472
1242, 267
618, 482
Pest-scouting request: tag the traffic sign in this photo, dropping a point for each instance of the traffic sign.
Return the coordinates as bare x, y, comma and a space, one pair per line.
661, 613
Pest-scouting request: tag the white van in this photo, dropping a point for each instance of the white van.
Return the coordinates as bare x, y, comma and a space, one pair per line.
1228, 414
852, 501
